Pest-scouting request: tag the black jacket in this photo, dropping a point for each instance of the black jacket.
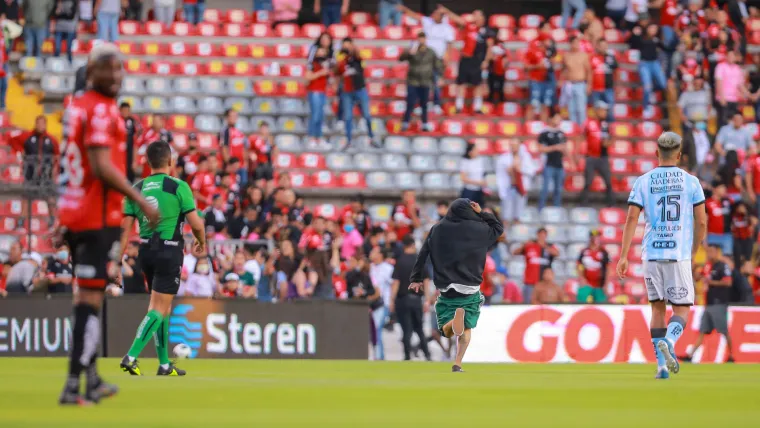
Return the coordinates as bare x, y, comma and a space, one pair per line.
458, 246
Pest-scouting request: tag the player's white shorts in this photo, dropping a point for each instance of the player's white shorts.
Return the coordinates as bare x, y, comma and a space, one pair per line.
670, 281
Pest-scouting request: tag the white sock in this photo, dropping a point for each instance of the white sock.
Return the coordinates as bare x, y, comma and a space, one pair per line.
477, 104
131, 359
459, 103
165, 366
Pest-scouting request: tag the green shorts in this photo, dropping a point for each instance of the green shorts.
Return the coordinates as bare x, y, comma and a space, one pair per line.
589, 294
446, 306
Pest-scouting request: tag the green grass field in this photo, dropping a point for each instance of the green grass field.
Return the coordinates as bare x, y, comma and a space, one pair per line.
250, 393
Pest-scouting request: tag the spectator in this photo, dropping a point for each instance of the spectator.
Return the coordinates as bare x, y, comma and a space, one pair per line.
473, 175
215, 217
59, 272
317, 74
358, 212
497, 74
107, 12
616, 11
41, 152
134, 9
718, 208
230, 286
539, 255
636, 10
733, 137
696, 149
285, 11
164, 11
423, 65
739, 14
263, 5
511, 292
647, 40
331, 11
25, 275
133, 127
592, 270
729, 87
440, 35
514, 170
37, 17
730, 173
753, 93
381, 273
567, 6
351, 69
233, 142
352, 239
554, 145
538, 66
598, 141
202, 282
715, 316
389, 12
263, 153
194, 10
245, 226
66, 15
156, 132
80, 80
591, 27
187, 162
359, 287
321, 252
10, 10
603, 66
247, 281
475, 56
743, 225
325, 41
546, 291
409, 305
694, 103
406, 215
577, 76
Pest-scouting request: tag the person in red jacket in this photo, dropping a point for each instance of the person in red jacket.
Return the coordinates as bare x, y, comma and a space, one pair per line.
718, 208
539, 254
592, 270
598, 140
41, 152
742, 228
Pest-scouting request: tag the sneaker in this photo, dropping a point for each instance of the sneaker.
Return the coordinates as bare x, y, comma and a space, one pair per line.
456, 369
376, 142
427, 127
666, 348
458, 325
133, 368
72, 398
662, 374
101, 391
437, 110
171, 371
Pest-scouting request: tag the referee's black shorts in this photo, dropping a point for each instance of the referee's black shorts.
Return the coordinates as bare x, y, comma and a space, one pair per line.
162, 265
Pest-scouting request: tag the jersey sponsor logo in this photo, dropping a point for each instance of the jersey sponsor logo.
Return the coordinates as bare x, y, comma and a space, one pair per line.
664, 245
677, 292
85, 271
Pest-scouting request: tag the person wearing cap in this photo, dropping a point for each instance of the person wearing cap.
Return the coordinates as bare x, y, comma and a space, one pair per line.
603, 66
592, 270
539, 255
423, 65
673, 204
134, 129
718, 208
187, 162
230, 286
247, 281
598, 140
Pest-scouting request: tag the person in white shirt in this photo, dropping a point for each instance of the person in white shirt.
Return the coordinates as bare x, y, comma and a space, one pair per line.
635, 10
381, 274
201, 282
473, 174
514, 172
440, 35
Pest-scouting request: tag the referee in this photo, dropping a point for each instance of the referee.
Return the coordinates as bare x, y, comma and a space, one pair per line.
161, 252
407, 303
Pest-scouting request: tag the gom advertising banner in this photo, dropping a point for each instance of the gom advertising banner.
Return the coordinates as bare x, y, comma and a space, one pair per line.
246, 329
599, 334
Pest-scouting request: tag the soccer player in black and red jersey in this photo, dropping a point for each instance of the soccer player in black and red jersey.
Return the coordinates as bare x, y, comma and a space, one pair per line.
94, 165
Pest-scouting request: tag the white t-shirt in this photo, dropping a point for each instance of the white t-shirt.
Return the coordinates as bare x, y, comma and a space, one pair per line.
253, 267
635, 7
474, 169
438, 35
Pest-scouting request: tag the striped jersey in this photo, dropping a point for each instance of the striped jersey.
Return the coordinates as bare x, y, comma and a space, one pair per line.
667, 196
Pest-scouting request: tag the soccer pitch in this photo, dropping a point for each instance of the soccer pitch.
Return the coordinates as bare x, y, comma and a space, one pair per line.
256, 393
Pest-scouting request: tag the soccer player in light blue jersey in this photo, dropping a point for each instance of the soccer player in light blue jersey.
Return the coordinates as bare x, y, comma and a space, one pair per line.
673, 204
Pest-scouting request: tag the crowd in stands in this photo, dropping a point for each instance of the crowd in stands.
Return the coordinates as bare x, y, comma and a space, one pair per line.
277, 247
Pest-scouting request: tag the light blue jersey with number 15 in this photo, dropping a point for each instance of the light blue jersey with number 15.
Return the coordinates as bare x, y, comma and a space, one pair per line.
667, 196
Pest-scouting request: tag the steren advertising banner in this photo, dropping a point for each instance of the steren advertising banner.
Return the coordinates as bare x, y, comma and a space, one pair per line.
598, 334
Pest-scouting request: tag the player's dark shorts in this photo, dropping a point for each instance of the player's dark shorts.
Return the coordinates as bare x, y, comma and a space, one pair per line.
264, 172
162, 265
469, 72
714, 317
91, 252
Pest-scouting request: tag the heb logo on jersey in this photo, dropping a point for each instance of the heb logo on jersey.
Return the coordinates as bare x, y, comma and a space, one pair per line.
664, 245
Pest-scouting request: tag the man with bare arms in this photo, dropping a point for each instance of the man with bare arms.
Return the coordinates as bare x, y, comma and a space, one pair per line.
577, 77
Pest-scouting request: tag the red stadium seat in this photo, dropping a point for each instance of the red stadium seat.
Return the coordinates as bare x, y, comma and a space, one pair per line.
611, 234
501, 21
324, 179
621, 148
597, 185
642, 166
396, 108
215, 68
400, 71
367, 32
189, 68
300, 180
130, 28
155, 49
534, 127
509, 128
339, 31
242, 68
261, 51
360, 18
182, 29
230, 50
285, 50
391, 52
397, 90
556, 21
293, 89
237, 16
480, 127
235, 30
627, 76
613, 36
377, 89
574, 183
212, 16
264, 87
288, 31
154, 28
532, 146
630, 56
408, 21
515, 75
208, 142
393, 32
621, 130
377, 108
312, 31
286, 161
207, 50
649, 130
311, 161
484, 145
293, 70
206, 29
613, 216
179, 49
510, 110
527, 34
352, 180
560, 35
163, 68
129, 48
619, 166
261, 31
531, 21
261, 16
377, 71
181, 123
453, 127
505, 35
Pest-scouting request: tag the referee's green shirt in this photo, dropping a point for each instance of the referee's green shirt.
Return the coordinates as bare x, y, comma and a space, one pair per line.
173, 199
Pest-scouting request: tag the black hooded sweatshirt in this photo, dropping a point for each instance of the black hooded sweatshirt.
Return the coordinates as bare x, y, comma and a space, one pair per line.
458, 246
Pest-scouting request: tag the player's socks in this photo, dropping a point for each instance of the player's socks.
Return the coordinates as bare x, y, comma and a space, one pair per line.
658, 334
162, 344
145, 332
675, 329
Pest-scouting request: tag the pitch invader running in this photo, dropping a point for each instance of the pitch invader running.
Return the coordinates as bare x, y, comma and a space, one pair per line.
672, 201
